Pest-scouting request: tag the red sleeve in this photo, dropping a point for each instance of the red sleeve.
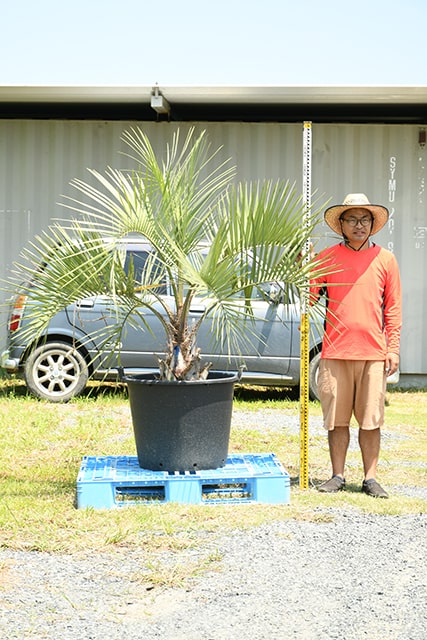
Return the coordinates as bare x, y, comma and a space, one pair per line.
317, 284
393, 306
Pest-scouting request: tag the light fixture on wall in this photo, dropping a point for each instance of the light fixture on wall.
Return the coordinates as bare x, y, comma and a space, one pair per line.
159, 102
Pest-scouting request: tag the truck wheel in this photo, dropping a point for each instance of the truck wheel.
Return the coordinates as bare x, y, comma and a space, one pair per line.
56, 371
313, 373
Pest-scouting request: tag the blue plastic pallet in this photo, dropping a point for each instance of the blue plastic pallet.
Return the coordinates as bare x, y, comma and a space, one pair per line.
104, 482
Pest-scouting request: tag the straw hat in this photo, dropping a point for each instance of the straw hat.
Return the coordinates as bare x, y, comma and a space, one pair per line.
353, 201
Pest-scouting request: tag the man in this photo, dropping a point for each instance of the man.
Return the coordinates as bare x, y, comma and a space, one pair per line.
362, 336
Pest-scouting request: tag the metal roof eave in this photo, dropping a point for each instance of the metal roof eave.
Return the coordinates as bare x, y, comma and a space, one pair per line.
215, 103
217, 94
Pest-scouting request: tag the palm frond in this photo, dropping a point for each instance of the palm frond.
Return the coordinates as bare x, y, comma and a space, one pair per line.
211, 239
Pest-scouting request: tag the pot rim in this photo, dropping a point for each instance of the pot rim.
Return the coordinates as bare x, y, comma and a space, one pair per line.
218, 377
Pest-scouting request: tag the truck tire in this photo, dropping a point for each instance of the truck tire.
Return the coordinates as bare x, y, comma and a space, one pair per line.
312, 376
56, 371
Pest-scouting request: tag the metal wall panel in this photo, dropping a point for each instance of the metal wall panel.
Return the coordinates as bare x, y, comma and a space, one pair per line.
388, 164
38, 158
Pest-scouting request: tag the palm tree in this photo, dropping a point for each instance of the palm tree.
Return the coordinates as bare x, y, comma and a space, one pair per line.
210, 238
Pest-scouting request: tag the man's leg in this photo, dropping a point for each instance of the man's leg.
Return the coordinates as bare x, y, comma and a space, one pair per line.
369, 413
337, 407
369, 441
339, 439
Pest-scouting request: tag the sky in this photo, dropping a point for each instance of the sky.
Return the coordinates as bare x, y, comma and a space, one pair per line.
213, 42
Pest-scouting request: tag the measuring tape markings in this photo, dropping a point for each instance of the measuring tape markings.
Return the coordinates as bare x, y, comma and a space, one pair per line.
304, 324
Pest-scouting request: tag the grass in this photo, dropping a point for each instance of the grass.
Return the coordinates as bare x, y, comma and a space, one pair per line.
42, 446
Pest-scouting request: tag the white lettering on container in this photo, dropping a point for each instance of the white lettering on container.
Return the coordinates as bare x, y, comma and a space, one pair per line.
392, 187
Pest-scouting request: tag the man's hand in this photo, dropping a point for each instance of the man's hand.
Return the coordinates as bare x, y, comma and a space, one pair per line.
391, 363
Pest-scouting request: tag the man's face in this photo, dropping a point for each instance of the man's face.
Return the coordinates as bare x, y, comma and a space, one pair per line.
356, 225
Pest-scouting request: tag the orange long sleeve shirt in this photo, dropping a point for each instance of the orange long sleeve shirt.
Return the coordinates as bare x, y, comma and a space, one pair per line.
364, 300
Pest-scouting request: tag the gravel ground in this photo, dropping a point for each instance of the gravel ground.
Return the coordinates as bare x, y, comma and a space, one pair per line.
354, 577
347, 575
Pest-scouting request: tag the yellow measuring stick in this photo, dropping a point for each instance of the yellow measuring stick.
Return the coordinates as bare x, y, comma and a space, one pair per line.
304, 400
304, 324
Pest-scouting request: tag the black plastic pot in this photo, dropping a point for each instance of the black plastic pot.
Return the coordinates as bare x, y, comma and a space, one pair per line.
180, 425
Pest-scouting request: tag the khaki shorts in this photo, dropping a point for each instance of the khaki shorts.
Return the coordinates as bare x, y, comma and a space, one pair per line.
348, 387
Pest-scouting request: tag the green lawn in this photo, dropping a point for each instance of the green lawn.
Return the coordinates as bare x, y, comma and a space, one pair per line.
42, 446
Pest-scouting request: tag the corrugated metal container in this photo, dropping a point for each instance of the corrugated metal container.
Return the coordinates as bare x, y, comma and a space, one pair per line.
38, 158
